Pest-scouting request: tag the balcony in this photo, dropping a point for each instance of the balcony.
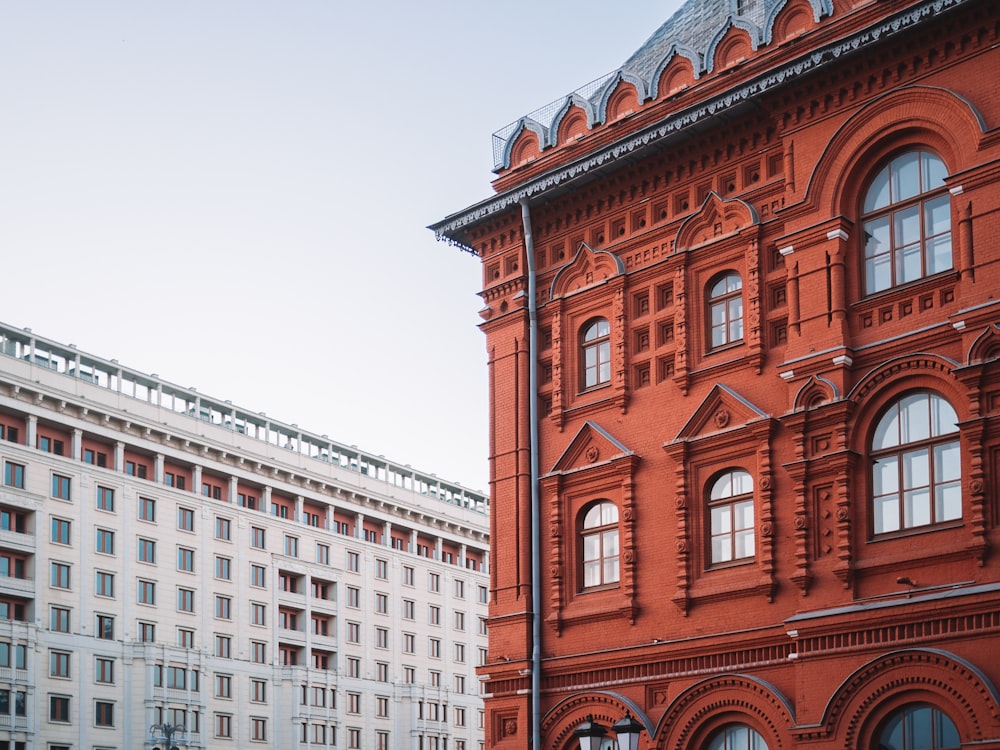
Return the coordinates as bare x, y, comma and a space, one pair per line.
13, 540
21, 587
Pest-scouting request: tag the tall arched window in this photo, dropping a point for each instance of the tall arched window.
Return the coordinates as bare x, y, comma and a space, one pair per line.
916, 464
919, 727
730, 507
595, 343
725, 310
736, 737
907, 221
599, 544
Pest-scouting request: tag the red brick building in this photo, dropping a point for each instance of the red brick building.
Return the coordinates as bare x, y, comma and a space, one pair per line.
743, 327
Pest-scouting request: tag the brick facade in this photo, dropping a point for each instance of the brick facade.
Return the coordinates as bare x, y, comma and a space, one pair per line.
709, 206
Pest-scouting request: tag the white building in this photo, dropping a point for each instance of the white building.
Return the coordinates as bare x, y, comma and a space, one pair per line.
170, 559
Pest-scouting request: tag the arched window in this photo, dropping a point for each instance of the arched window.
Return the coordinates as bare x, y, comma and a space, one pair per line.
595, 343
599, 544
736, 737
725, 310
916, 465
730, 507
918, 727
907, 222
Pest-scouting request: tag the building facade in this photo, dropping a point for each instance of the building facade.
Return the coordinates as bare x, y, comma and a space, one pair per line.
743, 334
168, 559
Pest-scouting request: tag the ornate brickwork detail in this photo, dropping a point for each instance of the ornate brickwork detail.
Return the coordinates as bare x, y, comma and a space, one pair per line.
604, 707
680, 330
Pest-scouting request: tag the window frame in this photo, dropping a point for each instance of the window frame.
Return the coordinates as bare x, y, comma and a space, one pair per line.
723, 300
595, 353
720, 497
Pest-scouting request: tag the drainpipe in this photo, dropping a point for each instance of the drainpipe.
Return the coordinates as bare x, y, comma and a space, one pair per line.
536, 575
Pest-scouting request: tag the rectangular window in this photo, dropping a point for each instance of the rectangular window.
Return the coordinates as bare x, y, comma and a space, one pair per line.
59, 576
484, 597
13, 475
353, 597
61, 531
459, 589
258, 729
59, 620
381, 569
434, 648
147, 632
433, 582
105, 627
257, 538
408, 609
146, 550
185, 559
59, 708
323, 554
223, 607
353, 632
459, 620
353, 739
104, 713
223, 686
146, 592
105, 543
460, 653
223, 726
106, 499
58, 664
104, 583
185, 638
223, 568
147, 509
382, 671
185, 599
407, 575
382, 706
60, 487
223, 529
223, 647
382, 603
381, 638
291, 546
434, 614
185, 519
409, 643
409, 675
354, 703
258, 576
460, 683
258, 652
353, 562
104, 670
258, 613
459, 716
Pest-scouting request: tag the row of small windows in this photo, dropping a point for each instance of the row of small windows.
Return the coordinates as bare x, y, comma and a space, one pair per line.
915, 482
906, 226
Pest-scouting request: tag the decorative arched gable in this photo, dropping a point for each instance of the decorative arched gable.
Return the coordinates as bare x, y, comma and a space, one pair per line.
909, 367
698, 711
986, 347
790, 18
931, 116
575, 118
736, 40
716, 220
815, 392
679, 69
623, 93
955, 685
525, 143
588, 268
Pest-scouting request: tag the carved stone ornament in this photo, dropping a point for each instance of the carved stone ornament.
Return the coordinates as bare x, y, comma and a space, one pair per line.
682, 546
680, 502
629, 556
800, 522
766, 529
976, 486
509, 727
628, 514
593, 453
765, 483
722, 418
843, 514
554, 572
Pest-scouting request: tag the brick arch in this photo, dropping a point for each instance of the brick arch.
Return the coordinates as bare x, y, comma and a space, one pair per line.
604, 706
916, 115
893, 680
787, 18
717, 701
736, 40
715, 220
815, 392
576, 115
622, 90
588, 267
677, 71
986, 347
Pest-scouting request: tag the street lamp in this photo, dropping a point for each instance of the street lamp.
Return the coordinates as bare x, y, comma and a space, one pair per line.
591, 734
166, 732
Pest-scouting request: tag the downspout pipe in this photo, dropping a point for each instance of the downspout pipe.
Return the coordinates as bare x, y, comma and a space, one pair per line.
536, 535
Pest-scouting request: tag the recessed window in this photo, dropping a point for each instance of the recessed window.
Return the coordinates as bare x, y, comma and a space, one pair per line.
737, 737
599, 544
731, 514
906, 219
919, 727
595, 345
725, 310
916, 464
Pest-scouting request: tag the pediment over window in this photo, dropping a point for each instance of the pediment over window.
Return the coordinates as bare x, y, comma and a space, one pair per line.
716, 220
588, 268
591, 446
721, 410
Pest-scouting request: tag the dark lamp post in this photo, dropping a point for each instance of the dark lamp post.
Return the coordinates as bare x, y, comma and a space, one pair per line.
627, 731
590, 734
166, 734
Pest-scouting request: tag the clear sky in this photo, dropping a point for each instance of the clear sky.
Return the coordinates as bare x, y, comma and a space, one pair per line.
235, 194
